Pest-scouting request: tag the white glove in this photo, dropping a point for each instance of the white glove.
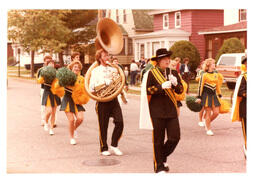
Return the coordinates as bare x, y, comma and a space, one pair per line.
173, 80
107, 81
167, 85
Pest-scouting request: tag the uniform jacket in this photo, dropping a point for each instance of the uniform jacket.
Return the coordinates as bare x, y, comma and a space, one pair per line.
160, 105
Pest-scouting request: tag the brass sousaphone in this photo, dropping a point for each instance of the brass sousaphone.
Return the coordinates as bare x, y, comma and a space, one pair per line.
110, 38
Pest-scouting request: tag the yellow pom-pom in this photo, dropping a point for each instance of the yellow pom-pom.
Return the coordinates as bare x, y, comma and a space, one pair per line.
243, 68
79, 94
57, 89
40, 80
180, 97
224, 106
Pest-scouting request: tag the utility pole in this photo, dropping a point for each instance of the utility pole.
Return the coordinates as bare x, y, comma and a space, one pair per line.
19, 62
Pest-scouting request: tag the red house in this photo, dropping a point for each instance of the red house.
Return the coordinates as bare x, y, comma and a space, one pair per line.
185, 22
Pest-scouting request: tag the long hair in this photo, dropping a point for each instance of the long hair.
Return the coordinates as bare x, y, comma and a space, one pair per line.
207, 63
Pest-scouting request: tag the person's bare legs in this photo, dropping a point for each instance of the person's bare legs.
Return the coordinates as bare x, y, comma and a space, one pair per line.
71, 121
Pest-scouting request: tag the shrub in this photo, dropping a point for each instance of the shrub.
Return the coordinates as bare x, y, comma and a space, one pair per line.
185, 49
232, 45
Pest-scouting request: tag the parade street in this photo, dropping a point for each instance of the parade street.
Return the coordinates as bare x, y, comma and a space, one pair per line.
30, 149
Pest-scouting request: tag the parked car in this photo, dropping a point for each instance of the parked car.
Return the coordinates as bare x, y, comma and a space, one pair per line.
229, 65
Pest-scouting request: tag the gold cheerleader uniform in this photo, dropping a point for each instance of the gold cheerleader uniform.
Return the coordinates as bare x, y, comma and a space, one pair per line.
49, 99
209, 88
68, 103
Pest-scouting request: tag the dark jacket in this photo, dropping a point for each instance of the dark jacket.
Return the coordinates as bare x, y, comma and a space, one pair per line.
160, 105
182, 68
242, 92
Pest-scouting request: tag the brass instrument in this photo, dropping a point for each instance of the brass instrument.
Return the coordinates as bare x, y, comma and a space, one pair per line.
110, 38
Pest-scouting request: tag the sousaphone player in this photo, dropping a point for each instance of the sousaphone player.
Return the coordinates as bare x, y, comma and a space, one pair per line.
103, 78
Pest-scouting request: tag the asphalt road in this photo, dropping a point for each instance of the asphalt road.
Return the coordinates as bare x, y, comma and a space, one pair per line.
32, 150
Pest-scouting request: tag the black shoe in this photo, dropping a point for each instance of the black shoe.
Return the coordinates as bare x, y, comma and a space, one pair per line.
162, 169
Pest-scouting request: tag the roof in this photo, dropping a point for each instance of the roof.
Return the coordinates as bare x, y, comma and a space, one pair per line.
238, 27
164, 33
124, 32
142, 20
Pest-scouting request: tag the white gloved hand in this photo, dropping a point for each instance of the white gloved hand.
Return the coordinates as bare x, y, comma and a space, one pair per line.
173, 80
167, 85
108, 81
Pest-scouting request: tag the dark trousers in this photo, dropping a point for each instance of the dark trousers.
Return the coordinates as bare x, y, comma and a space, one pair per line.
186, 78
105, 110
163, 149
133, 77
244, 130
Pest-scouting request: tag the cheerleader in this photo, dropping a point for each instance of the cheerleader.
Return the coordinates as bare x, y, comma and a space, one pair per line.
47, 59
50, 101
209, 93
73, 111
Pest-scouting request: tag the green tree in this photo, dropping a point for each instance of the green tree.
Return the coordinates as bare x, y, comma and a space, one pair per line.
83, 26
185, 49
232, 45
38, 31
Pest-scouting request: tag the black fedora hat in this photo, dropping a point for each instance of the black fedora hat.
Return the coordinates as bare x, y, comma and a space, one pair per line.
244, 60
160, 53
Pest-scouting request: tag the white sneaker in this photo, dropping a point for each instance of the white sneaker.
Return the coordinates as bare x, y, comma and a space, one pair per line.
105, 153
162, 172
201, 123
75, 134
209, 133
46, 127
72, 141
116, 150
166, 165
51, 132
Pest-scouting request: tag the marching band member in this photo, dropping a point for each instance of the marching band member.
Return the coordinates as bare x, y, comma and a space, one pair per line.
50, 101
73, 110
159, 107
209, 93
239, 102
102, 75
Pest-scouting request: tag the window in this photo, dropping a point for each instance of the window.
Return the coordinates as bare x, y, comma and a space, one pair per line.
165, 21
103, 13
124, 16
148, 50
117, 16
109, 13
177, 20
123, 50
162, 44
137, 51
242, 15
130, 48
227, 61
209, 49
142, 49
155, 46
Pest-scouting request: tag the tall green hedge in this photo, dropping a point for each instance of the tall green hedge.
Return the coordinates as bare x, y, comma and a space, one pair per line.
185, 49
232, 45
